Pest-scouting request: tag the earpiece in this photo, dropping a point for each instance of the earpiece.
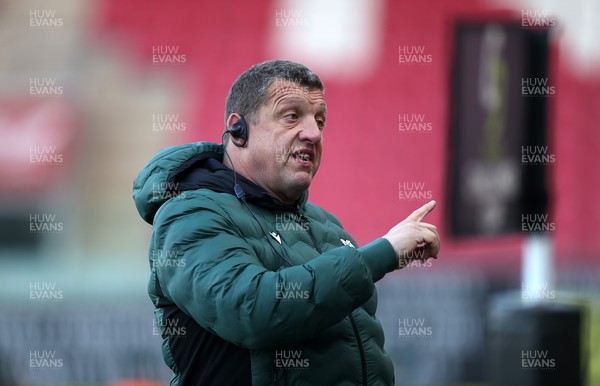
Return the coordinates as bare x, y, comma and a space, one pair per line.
239, 130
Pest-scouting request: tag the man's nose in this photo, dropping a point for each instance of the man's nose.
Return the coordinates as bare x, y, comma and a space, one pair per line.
311, 132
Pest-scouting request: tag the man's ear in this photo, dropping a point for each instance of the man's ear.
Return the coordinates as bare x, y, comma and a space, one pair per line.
231, 119
238, 130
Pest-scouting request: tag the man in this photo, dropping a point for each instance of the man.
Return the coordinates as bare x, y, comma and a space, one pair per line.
253, 285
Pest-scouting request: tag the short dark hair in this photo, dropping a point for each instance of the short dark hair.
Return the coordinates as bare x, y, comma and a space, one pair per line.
249, 91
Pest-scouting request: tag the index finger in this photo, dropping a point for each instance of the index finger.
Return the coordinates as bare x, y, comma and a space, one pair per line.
420, 213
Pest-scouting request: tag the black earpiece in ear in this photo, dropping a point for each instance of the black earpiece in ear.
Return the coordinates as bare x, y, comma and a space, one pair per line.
239, 130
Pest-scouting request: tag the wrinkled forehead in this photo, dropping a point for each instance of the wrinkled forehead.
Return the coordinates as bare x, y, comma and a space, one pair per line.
284, 89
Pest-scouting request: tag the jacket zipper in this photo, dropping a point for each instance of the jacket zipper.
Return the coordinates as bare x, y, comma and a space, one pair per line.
361, 349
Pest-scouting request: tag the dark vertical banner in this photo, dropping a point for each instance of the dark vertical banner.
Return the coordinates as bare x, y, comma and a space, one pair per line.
498, 116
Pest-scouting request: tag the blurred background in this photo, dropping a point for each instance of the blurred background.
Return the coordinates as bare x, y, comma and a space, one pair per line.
489, 107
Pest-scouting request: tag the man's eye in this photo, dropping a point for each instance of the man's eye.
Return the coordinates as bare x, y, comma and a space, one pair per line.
321, 124
291, 116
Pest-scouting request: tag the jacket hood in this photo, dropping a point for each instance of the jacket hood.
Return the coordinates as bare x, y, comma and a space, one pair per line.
194, 166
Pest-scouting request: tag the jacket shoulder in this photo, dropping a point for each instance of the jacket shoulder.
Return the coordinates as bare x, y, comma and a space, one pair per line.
151, 187
191, 201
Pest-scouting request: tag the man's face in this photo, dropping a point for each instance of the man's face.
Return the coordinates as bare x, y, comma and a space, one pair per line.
286, 141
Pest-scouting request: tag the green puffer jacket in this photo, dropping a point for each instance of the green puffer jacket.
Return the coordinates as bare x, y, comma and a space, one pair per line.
282, 285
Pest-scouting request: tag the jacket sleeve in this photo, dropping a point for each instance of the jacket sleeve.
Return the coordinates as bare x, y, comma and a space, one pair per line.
220, 282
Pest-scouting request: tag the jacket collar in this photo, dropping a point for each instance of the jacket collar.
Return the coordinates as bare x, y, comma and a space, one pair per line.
206, 170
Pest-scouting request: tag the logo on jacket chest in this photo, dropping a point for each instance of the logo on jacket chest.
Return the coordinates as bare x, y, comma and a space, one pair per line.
347, 243
276, 236
286, 222
290, 222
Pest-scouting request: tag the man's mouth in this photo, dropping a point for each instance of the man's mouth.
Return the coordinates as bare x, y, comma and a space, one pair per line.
303, 156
